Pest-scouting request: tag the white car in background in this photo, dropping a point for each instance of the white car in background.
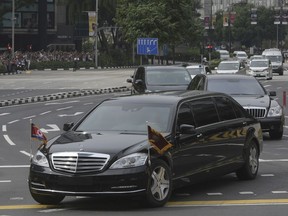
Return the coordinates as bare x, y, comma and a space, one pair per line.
198, 69
254, 57
241, 56
261, 68
231, 67
224, 54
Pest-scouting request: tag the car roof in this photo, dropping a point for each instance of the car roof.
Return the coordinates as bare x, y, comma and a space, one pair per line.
260, 59
162, 67
196, 66
222, 51
229, 76
167, 97
230, 61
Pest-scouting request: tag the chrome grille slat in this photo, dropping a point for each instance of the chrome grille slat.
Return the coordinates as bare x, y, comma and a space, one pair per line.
257, 112
79, 162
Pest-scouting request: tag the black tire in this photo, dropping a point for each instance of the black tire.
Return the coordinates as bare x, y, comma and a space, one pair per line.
160, 184
47, 199
250, 169
276, 134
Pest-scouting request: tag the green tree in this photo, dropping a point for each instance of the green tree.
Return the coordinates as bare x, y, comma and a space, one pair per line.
173, 22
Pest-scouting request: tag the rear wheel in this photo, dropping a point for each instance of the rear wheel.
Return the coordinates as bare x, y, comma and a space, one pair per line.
159, 185
250, 169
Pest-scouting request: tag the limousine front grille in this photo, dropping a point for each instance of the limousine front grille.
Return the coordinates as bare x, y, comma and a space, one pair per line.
79, 162
257, 112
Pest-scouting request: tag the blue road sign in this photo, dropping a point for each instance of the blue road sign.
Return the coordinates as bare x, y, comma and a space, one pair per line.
147, 46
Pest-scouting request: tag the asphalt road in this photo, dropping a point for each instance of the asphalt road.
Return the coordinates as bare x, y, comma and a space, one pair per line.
267, 195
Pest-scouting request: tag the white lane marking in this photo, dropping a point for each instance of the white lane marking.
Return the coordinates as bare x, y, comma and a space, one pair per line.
58, 103
3, 114
29, 117
267, 86
52, 210
45, 113
8, 140
64, 108
5, 181
4, 128
75, 114
16, 198
53, 127
13, 121
15, 166
246, 193
267, 175
214, 194
26, 153
88, 104
279, 192
276, 160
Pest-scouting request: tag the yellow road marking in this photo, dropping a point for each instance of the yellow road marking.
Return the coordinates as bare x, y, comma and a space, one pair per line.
172, 204
7, 207
229, 202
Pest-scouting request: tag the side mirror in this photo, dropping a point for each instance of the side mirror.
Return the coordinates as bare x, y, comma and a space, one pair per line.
272, 93
139, 82
68, 126
187, 129
129, 80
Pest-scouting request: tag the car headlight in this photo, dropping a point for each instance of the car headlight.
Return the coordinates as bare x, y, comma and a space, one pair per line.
275, 111
133, 160
40, 159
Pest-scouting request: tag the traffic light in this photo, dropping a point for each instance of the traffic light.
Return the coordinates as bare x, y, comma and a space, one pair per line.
209, 47
254, 16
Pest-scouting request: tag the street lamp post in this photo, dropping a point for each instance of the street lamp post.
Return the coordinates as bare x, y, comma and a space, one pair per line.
95, 33
13, 28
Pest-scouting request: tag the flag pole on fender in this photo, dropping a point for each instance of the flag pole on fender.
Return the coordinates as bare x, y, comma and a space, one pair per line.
158, 141
37, 134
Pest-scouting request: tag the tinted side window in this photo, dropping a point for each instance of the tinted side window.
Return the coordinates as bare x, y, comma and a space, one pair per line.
204, 111
185, 115
140, 74
225, 108
239, 111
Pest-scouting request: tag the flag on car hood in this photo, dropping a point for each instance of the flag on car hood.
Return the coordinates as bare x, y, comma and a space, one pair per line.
157, 141
36, 133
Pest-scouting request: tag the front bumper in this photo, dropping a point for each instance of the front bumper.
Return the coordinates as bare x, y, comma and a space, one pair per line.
122, 181
271, 123
260, 74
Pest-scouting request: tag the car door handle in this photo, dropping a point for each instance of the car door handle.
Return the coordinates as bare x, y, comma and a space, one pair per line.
244, 123
199, 135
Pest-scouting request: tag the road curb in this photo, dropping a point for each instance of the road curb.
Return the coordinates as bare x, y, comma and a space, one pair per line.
57, 96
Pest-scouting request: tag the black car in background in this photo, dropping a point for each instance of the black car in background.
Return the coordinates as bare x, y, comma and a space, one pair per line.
108, 153
159, 78
250, 93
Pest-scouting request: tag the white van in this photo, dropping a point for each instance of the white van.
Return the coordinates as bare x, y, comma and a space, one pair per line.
276, 58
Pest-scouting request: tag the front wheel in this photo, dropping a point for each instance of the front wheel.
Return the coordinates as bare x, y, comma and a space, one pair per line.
160, 184
251, 158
